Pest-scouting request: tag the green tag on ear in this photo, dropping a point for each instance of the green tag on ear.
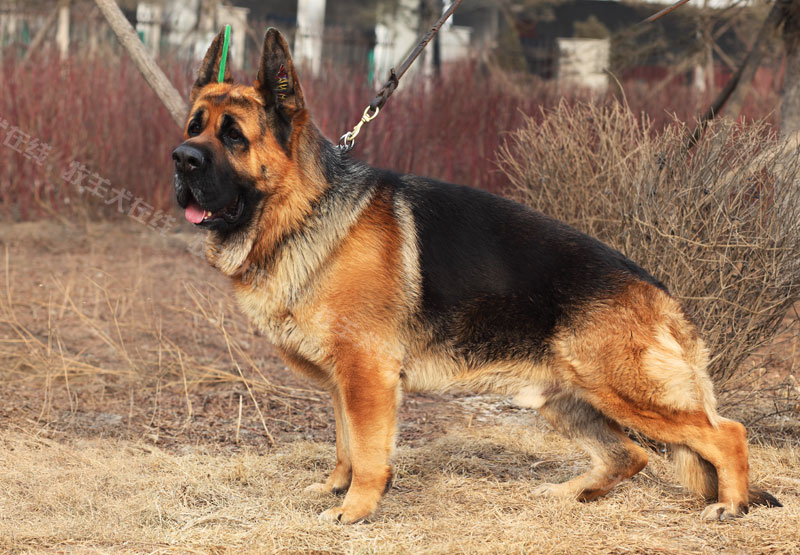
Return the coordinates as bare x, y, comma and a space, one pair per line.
224, 58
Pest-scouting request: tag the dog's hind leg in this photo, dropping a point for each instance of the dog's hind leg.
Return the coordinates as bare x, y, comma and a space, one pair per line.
723, 444
615, 457
638, 360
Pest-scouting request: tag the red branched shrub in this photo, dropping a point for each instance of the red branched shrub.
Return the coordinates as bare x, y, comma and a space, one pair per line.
57, 117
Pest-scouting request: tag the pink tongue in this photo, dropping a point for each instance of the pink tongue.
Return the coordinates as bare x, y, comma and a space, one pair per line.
194, 213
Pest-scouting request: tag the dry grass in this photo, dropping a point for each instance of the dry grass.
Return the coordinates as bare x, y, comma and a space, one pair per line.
132, 421
112, 300
468, 492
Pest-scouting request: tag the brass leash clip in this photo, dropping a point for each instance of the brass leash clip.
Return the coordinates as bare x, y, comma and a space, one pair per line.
348, 140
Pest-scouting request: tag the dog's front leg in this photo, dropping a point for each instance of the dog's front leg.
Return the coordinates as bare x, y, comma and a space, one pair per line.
339, 479
368, 391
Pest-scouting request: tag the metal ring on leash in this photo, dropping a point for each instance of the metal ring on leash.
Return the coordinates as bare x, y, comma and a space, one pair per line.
348, 140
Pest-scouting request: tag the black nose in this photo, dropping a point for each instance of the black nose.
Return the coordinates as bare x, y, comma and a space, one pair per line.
188, 158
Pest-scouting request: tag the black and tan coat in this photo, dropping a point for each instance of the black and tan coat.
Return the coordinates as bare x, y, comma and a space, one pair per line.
373, 283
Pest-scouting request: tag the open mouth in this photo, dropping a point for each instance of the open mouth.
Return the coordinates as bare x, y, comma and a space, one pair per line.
199, 215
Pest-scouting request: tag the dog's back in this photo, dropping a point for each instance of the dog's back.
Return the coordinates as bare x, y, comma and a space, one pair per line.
486, 261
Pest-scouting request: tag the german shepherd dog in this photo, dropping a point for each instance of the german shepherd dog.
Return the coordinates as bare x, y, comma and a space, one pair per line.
373, 283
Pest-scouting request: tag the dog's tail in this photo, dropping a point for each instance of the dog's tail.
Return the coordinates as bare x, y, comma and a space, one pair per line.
699, 476
694, 472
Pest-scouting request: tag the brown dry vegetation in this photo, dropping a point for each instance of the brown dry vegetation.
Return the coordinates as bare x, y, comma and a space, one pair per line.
720, 224
142, 413
467, 491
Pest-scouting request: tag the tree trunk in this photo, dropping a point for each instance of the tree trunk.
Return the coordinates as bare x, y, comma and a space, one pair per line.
144, 61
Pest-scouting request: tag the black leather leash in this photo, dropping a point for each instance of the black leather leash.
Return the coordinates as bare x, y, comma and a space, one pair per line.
347, 141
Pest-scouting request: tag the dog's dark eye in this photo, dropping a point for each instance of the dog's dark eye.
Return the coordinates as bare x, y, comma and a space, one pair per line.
194, 129
234, 134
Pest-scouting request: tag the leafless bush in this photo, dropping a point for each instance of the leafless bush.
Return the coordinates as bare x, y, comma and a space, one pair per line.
720, 225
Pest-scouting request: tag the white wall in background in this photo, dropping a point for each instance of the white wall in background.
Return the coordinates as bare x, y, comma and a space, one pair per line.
582, 62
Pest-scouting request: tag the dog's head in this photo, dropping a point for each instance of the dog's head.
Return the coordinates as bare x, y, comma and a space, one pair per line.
239, 156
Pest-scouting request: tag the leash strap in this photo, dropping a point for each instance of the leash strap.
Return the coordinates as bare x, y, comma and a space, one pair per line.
347, 141
664, 12
223, 60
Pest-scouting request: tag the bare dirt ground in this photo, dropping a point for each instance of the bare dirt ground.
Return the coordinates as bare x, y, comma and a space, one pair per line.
140, 412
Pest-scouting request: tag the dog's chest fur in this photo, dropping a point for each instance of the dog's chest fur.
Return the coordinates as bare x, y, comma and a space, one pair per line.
282, 296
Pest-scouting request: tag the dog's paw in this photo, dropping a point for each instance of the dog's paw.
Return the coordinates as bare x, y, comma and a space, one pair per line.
317, 490
340, 489
723, 511
554, 490
343, 515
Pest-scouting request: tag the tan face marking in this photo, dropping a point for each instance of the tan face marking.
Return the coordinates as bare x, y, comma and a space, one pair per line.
245, 108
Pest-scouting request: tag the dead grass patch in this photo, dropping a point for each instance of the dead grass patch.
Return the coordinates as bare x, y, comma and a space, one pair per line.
467, 492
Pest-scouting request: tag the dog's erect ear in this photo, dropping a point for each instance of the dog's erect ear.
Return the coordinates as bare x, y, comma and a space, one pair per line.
277, 80
209, 70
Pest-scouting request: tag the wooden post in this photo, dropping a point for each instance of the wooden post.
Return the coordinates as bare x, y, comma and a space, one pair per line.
62, 32
308, 38
93, 21
41, 34
144, 61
